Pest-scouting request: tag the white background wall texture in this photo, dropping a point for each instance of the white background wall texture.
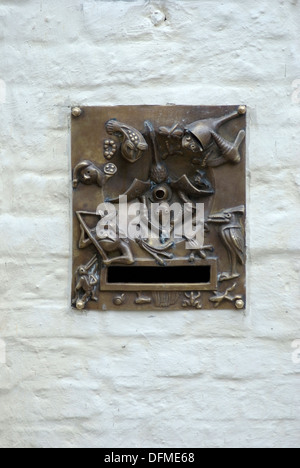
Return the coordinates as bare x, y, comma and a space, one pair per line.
205, 378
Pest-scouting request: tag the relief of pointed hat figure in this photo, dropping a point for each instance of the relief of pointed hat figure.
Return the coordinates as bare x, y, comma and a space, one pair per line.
200, 135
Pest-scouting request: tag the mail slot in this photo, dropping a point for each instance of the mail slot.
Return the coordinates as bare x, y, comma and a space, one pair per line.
159, 207
157, 276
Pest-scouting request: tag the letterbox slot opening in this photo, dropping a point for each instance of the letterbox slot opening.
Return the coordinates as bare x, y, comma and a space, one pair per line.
156, 275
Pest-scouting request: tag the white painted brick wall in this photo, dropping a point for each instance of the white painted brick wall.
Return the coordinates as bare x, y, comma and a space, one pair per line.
203, 379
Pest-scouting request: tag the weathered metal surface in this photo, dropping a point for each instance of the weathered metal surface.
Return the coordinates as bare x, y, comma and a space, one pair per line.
153, 154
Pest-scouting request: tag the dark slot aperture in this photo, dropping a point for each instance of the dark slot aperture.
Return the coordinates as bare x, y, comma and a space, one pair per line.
159, 275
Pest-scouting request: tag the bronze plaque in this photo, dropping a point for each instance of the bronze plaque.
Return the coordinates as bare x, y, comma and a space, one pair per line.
159, 207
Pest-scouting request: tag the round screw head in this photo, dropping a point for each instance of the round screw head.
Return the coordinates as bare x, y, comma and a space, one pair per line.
80, 304
242, 110
239, 304
76, 112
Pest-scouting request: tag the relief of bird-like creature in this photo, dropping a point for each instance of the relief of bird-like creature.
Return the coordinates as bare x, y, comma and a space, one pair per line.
233, 237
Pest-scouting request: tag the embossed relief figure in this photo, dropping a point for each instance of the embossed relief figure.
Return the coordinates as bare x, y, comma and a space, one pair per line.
86, 284
161, 187
155, 162
105, 242
199, 137
133, 142
233, 237
86, 172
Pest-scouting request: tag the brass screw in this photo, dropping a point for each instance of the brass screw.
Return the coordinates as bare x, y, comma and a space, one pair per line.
239, 304
80, 305
76, 112
242, 110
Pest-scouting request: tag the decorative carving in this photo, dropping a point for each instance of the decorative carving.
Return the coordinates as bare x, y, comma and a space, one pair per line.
166, 170
198, 187
136, 190
199, 135
88, 173
103, 243
142, 299
110, 149
218, 298
159, 172
232, 235
165, 299
133, 142
119, 300
158, 251
86, 284
159, 177
173, 132
192, 300
201, 252
163, 188
230, 151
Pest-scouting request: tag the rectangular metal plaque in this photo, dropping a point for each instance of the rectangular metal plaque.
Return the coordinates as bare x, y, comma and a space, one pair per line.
159, 207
